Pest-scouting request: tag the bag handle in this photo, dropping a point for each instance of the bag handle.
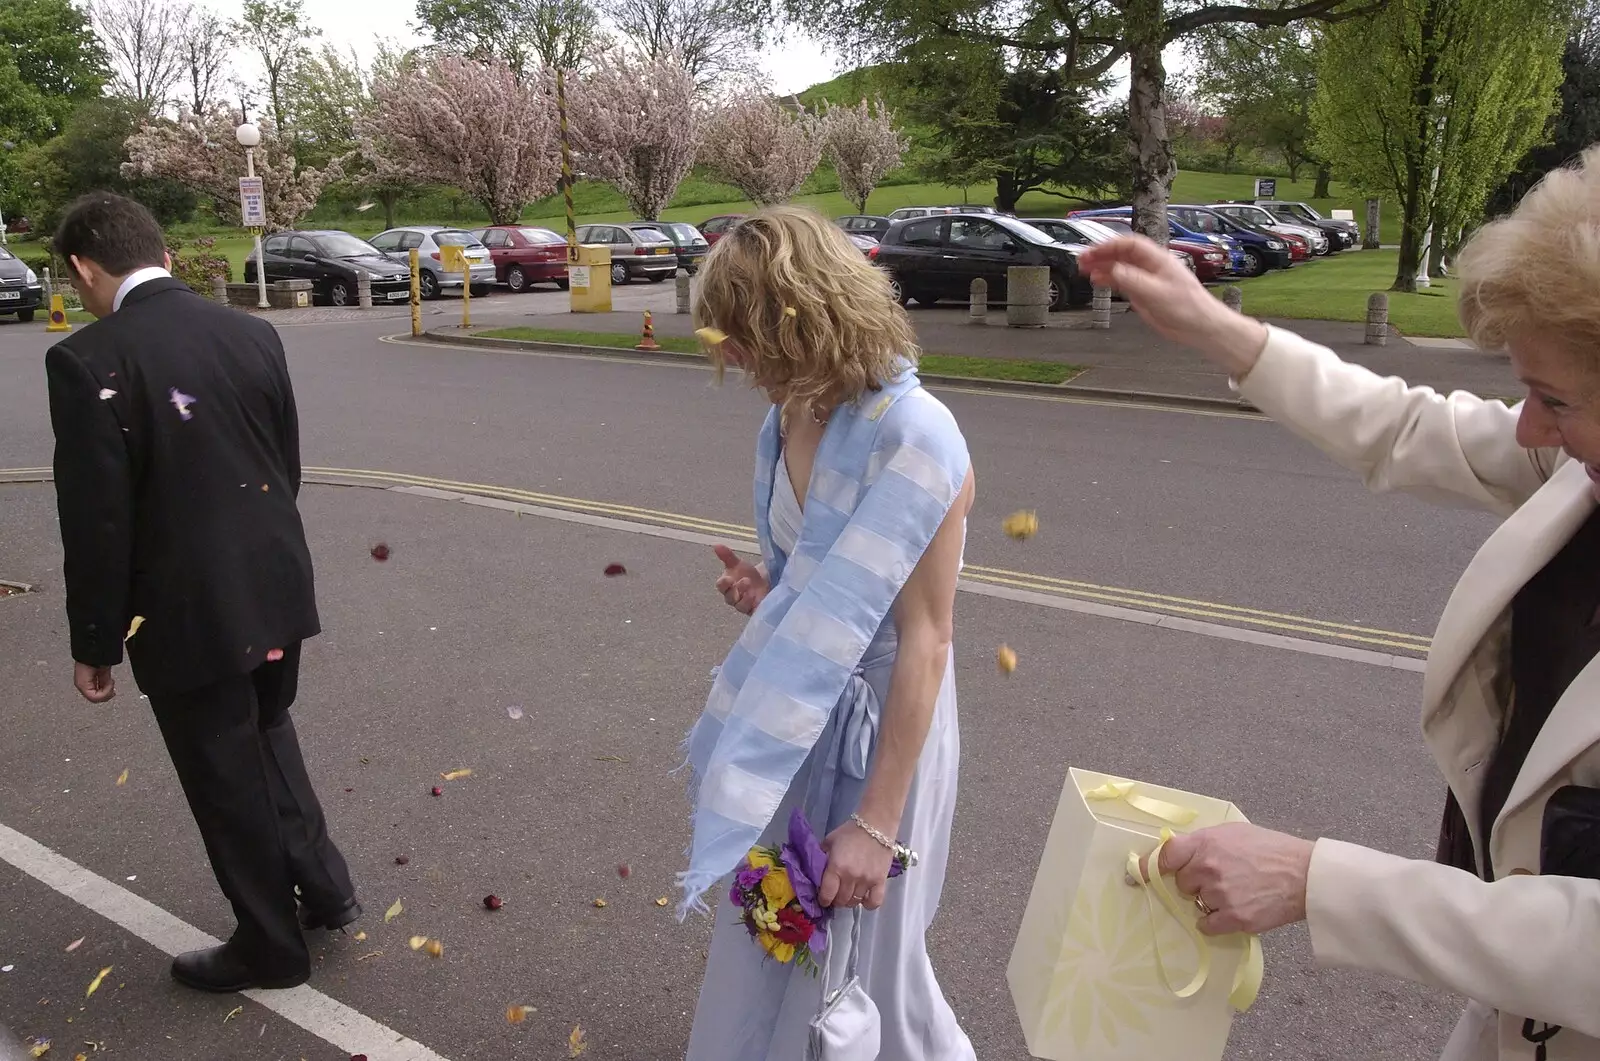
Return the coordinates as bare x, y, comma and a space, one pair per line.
1129, 793
851, 961
1252, 966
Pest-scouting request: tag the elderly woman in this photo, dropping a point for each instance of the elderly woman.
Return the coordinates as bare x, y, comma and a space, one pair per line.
1509, 915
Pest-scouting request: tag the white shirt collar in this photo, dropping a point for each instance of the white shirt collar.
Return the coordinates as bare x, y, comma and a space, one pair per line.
133, 280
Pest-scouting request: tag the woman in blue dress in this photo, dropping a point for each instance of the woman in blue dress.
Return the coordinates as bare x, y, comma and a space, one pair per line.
839, 697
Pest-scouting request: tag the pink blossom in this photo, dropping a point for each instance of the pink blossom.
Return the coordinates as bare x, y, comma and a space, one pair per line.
762, 147
863, 145
636, 125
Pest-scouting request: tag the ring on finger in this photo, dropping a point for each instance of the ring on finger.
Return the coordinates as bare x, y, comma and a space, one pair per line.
1205, 908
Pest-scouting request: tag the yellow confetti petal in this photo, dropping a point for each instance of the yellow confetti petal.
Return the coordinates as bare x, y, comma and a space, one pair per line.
418, 941
1005, 659
361, 937
435, 948
40, 1048
122, 779
393, 912
577, 1043
790, 311
94, 985
232, 1013
1021, 525
661, 901
456, 775
133, 628
517, 1014
81, 1057
711, 336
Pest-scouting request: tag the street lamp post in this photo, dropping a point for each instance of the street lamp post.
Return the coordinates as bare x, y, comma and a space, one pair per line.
249, 138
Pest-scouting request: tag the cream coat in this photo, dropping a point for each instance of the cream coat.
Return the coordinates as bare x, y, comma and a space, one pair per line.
1524, 945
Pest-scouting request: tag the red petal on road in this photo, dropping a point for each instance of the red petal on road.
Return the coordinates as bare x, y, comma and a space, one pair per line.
380, 552
613, 570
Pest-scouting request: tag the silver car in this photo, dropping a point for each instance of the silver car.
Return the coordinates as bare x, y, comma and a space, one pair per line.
635, 252
426, 240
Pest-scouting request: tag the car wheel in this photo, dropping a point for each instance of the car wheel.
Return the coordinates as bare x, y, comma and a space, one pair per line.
563, 283
25, 315
1254, 263
480, 290
1059, 293
516, 279
898, 290
619, 274
1327, 249
339, 293
923, 298
430, 285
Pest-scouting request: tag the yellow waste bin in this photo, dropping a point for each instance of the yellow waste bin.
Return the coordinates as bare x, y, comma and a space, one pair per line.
590, 280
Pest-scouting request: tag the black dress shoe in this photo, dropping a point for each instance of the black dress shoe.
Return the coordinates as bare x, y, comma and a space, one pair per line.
310, 919
220, 969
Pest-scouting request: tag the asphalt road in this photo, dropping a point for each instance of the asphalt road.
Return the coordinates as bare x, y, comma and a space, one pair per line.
480, 611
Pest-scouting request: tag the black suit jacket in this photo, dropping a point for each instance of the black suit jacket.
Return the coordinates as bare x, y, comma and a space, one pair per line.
177, 466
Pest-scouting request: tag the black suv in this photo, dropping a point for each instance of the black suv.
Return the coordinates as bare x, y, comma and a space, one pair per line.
331, 260
933, 258
20, 290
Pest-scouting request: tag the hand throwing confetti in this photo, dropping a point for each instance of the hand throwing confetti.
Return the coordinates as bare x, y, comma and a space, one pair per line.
181, 402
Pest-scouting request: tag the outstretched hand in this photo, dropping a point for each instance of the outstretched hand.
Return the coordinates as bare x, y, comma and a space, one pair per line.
1172, 300
742, 584
1251, 879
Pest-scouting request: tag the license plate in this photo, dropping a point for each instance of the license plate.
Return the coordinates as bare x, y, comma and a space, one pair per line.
663, 250
396, 296
10, 296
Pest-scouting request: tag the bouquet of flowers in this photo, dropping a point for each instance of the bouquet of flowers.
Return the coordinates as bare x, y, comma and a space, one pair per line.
776, 887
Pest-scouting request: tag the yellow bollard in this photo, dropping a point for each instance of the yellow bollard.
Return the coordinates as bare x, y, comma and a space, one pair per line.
648, 341
58, 316
416, 294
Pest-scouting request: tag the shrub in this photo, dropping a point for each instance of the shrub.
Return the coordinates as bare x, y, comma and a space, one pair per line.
198, 262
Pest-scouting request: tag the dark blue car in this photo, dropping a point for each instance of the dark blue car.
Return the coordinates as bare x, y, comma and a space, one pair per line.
1251, 251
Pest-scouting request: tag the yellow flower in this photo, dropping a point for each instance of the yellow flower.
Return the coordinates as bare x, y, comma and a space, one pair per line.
765, 918
780, 950
759, 859
776, 887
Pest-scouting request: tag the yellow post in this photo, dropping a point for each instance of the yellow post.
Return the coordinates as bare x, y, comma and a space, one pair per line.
451, 259
58, 316
416, 294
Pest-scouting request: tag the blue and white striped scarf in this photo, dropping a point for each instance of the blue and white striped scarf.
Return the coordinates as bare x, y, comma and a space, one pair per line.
888, 469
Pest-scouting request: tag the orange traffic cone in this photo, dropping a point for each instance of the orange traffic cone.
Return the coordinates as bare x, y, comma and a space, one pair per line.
648, 341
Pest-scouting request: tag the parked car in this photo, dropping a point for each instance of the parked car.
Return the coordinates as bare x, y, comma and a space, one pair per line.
715, 228
635, 252
938, 257
1242, 260
332, 261
907, 213
691, 247
20, 290
1263, 249
862, 242
1344, 233
1261, 218
864, 224
524, 256
427, 240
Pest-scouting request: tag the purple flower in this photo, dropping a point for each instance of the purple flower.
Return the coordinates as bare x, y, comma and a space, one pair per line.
895, 869
805, 860
749, 879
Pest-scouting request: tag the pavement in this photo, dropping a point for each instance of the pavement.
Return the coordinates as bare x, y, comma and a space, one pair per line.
1209, 604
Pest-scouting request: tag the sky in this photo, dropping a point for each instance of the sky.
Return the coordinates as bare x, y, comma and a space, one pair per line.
796, 63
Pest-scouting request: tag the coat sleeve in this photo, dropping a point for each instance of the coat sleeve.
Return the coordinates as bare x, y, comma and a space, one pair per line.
1524, 944
94, 500
1459, 449
288, 413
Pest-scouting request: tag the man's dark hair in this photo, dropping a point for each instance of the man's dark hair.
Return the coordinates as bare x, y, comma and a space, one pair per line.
116, 233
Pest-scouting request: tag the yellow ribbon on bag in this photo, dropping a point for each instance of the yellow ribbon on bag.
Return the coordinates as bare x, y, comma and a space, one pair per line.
1129, 793
1252, 967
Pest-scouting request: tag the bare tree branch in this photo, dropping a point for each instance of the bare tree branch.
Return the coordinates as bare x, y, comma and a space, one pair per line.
145, 40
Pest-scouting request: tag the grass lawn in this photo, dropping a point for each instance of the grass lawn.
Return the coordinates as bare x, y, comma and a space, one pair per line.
1336, 289
934, 364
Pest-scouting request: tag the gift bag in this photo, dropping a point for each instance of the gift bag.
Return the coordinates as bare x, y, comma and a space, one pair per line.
1109, 969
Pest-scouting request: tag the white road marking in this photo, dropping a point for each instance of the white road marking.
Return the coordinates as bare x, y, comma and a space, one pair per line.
1022, 596
324, 1017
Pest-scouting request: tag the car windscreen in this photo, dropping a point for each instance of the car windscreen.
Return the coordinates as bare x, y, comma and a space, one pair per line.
541, 235
1301, 211
5, 255
1119, 225
649, 235
1026, 231
1202, 221
451, 237
685, 232
344, 245
1094, 231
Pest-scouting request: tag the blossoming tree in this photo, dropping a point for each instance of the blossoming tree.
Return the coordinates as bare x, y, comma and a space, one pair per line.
863, 145
762, 148
637, 126
201, 152
474, 126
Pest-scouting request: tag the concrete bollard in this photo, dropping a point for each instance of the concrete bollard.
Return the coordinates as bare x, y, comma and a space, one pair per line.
219, 288
1233, 298
680, 280
1100, 315
1027, 296
1377, 319
49, 288
1370, 238
363, 289
978, 302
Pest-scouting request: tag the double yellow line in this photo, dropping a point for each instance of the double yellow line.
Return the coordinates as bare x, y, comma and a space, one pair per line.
738, 533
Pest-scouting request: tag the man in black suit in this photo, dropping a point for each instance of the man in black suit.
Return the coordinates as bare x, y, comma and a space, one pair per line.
177, 466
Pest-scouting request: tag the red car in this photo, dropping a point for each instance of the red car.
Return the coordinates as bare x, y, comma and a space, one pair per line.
524, 256
1209, 262
1299, 247
715, 228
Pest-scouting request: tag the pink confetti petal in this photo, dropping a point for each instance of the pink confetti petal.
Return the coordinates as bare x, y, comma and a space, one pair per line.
274, 655
515, 713
181, 402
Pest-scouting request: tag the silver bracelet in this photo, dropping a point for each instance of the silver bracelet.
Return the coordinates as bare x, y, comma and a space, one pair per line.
904, 857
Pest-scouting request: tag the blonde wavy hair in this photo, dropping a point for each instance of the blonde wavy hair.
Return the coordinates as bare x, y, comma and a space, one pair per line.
811, 318
1537, 269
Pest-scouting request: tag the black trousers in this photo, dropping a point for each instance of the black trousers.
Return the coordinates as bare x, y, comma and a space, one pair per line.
239, 761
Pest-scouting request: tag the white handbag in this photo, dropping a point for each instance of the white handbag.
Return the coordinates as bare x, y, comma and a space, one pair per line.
846, 1028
